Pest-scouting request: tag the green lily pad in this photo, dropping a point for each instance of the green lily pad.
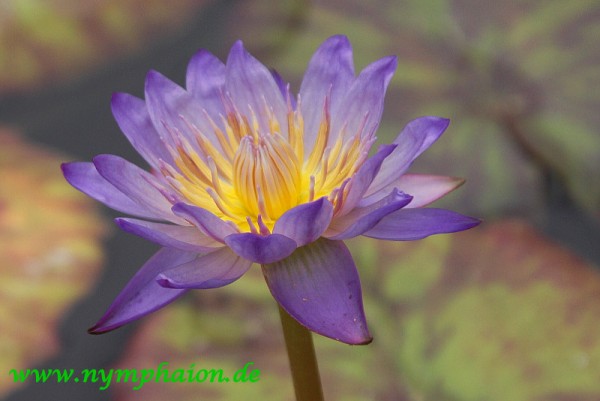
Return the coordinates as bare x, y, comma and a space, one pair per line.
517, 79
50, 252
512, 317
495, 313
45, 41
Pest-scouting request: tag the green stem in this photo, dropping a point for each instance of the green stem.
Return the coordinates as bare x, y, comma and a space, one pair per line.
303, 361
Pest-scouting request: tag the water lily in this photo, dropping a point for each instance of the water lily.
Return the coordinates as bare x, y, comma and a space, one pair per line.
241, 171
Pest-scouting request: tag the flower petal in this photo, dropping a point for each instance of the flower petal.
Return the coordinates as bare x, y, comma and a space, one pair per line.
185, 238
363, 219
414, 139
142, 295
318, 285
360, 111
85, 177
137, 184
252, 89
207, 222
132, 116
175, 112
212, 270
284, 88
425, 189
413, 224
305, 223
364, 176
205, 80
330, 73
261, 249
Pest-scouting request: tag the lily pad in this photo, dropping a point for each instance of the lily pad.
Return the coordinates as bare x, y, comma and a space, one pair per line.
517, 79
495, 313
513, 316
50, 252
45, 41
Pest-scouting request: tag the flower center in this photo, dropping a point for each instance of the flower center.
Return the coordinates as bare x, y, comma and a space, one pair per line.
251, 178
267, 176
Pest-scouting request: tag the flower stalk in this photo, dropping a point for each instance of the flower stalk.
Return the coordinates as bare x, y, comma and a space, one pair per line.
303, 360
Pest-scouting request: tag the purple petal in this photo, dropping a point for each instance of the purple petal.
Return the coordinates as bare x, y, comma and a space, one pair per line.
414, 139
363, 219
425, 189
185, 238
284, 88
142, 295
261, 249
360, 111
363, 178
413, 224
305, 223
175, 112
252, 88
213, 270
207, 222
132, 116
318, 285
330, 73
205, 80
137, 184
85, 177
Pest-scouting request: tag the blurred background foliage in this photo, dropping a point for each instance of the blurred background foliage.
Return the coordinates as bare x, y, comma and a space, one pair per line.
507, 311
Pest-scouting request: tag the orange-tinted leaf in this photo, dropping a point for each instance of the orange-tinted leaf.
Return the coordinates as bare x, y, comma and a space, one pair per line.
49, 252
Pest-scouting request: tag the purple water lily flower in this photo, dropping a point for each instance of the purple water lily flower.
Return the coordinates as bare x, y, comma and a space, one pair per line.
243, 172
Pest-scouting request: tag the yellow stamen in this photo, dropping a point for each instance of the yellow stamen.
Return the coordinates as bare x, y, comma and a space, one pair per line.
249, 177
